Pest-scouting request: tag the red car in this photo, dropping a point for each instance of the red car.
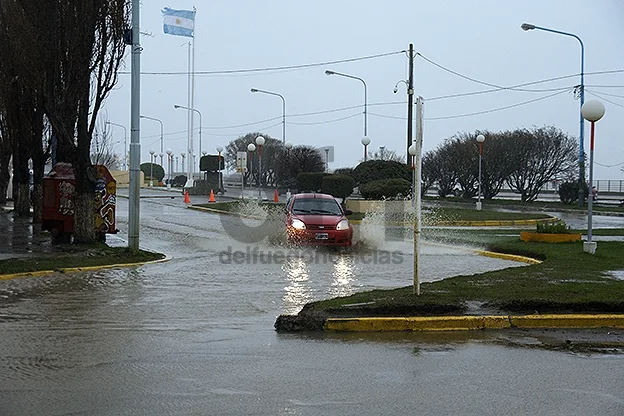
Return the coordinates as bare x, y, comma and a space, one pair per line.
317, 219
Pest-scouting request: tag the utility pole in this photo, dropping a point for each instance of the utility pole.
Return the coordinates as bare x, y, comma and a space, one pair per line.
135, 142
410, 99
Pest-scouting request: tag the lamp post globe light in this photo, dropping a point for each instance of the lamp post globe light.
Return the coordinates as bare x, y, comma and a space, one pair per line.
288, 145
592, 111
161, 159
169, 159
480, 140
260, 142
365, 141
151, 182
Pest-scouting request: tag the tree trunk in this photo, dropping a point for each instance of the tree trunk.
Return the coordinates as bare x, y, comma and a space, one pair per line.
84, 218
22, 203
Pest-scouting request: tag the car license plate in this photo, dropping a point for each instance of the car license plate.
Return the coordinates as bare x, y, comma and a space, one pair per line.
321, 236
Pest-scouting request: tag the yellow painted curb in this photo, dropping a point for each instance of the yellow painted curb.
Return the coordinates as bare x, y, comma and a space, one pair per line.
568, 321
467, 323
493, 223
512, 257
77, 269
434, 323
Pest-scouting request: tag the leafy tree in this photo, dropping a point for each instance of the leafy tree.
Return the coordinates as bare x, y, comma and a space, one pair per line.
310, 181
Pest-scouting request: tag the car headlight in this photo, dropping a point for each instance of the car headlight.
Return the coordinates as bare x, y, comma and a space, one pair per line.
343, 225
298, 224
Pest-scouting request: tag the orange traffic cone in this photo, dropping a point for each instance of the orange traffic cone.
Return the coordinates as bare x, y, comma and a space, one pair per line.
275, 196
212, 198
187, 199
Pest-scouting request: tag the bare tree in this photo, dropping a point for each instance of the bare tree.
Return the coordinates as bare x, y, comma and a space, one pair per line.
271, 151
296, 160
540, 155
386, 154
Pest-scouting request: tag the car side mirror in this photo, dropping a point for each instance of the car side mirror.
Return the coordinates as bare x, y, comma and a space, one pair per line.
348, 212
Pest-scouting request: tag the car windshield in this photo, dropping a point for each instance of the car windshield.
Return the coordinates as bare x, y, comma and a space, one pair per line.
316, 206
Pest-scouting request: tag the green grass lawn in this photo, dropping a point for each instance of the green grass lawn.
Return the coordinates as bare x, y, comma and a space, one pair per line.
567, 280
77, 256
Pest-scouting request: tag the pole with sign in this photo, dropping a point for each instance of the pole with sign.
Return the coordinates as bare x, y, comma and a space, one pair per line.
241, 167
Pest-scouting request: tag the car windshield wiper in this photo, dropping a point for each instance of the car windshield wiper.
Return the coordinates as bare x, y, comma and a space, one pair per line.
323, 211
305, 211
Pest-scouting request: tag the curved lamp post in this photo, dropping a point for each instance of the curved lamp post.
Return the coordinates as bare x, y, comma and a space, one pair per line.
151, 152
170, 160
592, 111
219, 150
161, 133
365, 141
288, 145
260, 142
125, 154
529, 26
254, 90
328, 72
192, 151
480, 140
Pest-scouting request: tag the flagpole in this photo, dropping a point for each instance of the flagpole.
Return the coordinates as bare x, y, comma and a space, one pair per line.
189, 140
193, 95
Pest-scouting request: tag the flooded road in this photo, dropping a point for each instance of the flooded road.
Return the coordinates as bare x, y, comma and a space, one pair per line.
195, 335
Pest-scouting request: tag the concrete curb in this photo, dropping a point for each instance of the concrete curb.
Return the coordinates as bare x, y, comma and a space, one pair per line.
78, 269
511, 257
469, 323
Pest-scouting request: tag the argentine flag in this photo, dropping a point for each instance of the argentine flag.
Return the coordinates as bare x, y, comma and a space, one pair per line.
178, 22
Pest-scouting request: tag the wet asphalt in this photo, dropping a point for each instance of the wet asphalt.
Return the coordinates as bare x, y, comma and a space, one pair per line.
194, 335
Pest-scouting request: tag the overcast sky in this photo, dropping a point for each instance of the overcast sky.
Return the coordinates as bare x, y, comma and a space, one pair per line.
477, 39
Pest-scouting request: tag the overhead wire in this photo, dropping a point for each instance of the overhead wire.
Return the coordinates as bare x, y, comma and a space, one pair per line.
275, 68
605, 99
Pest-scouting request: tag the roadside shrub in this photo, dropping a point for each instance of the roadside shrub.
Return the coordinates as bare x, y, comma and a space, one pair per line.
310, 181
386, 189
557, 227
157, 170
179, 180
568, 192
375, 170
339, 186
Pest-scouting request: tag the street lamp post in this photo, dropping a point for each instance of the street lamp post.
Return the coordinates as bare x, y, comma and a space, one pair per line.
250, 149
328, 72
283, 109
581, 192
592, 111
169, 159
365, 141
125, 153
288, 146
191, 151
161, 134
219, 150
260, 142
183, 155
151, 182
480, 140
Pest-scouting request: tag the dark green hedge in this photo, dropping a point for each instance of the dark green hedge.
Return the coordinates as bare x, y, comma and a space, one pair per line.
157, 170
386, 189
375, 170
340, 186
310, 181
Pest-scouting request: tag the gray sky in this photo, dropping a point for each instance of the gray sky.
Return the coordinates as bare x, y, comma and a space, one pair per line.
479, 39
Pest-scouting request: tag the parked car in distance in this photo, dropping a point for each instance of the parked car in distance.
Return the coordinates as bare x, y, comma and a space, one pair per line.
317, 219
